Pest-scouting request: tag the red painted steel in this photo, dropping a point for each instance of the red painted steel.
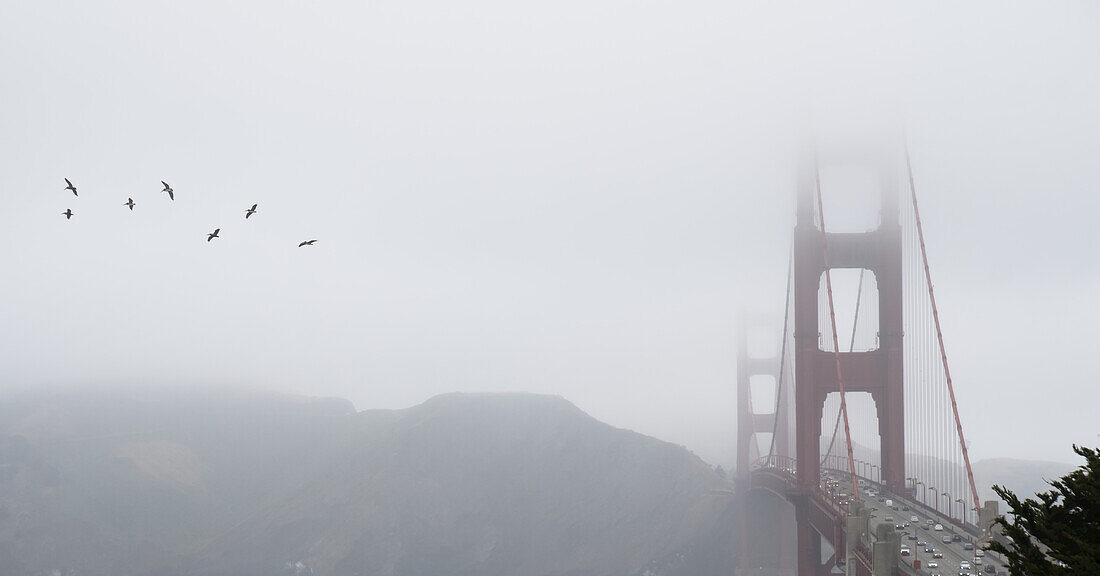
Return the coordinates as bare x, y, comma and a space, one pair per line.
878, 372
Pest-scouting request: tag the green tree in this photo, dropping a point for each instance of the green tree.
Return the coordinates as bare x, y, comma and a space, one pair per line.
1058, 534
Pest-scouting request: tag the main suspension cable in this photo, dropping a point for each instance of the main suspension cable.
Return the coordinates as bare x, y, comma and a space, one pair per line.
832, 320
782, 354
939, 332
851, 348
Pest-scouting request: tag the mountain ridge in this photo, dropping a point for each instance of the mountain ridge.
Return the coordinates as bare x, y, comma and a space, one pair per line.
205, 483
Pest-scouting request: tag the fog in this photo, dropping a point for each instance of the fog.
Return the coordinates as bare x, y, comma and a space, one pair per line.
572, 198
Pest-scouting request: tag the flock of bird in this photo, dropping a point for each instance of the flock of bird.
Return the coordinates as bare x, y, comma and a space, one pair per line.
129, 203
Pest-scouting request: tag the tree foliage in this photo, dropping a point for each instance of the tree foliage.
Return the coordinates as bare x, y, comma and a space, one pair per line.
1058, 534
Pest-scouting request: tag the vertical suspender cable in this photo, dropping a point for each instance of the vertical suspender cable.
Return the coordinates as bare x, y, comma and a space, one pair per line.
782, 354
755, 437
832, 322
935, 316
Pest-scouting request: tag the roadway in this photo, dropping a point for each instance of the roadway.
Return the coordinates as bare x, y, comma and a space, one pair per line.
953, 553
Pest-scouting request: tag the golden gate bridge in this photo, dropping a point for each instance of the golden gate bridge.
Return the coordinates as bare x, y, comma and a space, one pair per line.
849, 436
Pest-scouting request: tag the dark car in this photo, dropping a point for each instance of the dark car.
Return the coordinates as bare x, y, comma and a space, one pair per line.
968, 546
912, 536
956, 538
906, 508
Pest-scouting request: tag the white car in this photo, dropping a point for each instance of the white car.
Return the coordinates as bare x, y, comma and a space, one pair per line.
914, 519
964, 565
979, 553
938, 528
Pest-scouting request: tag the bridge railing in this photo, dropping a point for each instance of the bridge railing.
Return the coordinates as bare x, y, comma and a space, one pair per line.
928, 511
784, 463
789, 466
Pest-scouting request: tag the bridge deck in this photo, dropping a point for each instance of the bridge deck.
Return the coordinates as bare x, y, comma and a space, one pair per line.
828, 518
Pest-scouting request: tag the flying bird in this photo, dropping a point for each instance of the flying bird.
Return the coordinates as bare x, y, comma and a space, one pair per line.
129, 202
70, 187
250, 211
68, 213
168, 189
213, 234
307, 243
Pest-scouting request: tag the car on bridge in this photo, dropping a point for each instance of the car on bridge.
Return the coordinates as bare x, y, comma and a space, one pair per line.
945, 539
904, 551
969, 546
938, 528
922, 543
933, 564
937, 554
964, 565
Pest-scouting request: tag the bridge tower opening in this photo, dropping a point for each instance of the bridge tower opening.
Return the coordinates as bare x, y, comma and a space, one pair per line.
866, 444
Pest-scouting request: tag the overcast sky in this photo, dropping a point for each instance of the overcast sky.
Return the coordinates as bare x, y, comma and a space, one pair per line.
572, 197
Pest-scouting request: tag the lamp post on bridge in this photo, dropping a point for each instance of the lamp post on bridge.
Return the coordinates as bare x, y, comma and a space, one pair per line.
873, 466
962, 510
947, 495
924, 492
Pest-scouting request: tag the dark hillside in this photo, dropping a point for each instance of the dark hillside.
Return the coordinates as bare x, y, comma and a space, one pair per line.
251, 483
